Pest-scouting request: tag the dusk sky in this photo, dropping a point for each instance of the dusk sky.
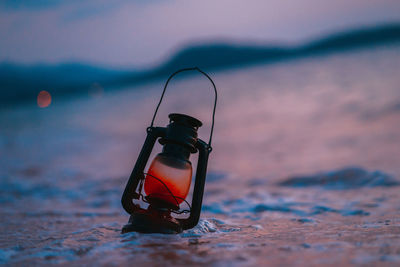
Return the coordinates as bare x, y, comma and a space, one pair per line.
124, 33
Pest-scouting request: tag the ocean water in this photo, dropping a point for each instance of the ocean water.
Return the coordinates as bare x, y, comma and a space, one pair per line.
305, 169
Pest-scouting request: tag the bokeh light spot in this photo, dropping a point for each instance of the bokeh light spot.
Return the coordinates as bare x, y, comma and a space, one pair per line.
43, 99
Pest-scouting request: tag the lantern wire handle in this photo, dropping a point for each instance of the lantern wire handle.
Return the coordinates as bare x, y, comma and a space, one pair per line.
215, 100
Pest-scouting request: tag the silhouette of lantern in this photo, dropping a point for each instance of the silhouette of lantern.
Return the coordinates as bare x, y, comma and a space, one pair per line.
167, 181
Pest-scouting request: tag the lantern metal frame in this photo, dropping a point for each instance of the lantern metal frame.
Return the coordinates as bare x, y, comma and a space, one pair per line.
134, 185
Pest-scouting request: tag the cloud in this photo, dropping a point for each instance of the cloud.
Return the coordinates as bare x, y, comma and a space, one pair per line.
37, 5
31, 4
71, 9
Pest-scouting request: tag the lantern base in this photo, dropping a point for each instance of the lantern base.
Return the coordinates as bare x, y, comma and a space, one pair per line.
152, 222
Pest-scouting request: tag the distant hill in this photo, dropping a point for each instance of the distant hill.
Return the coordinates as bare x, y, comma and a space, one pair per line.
220, 56
22, 83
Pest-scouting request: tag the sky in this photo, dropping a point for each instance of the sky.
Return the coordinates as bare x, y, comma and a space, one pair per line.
133, 33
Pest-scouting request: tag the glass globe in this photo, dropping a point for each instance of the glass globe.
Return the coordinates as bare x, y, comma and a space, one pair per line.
171, 172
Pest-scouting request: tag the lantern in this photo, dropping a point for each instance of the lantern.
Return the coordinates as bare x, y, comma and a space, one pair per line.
167, 181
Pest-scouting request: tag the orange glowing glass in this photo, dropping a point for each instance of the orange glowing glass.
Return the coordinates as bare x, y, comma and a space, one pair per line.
168, 179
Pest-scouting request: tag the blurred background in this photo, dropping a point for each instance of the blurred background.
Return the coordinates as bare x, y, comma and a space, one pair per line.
137, 34
306, 88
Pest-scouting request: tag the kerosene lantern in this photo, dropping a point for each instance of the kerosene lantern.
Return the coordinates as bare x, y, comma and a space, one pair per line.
166, 183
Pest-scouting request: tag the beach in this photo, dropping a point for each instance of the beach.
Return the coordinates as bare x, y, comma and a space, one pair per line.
304, 169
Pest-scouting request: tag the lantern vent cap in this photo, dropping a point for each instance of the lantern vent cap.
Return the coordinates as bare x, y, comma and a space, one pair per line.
185, 120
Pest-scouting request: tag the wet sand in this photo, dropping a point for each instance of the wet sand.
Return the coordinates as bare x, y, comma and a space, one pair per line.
304, 171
